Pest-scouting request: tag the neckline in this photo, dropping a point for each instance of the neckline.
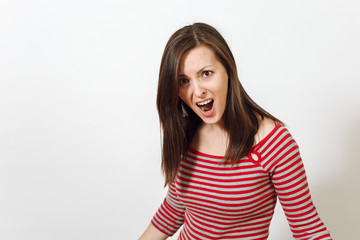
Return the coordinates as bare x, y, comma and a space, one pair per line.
256, 146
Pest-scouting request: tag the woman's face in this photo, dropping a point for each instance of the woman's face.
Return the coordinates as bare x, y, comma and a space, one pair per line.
203, 84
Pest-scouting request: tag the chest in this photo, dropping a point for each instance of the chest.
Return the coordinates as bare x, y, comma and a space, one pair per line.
206, 186
210, 142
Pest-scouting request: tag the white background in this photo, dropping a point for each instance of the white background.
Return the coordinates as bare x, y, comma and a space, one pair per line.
79, 132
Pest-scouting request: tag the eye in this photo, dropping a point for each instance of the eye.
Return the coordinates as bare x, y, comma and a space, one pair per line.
183, 81
207, 73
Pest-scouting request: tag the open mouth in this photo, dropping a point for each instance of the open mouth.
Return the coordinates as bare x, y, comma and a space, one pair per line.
206, 105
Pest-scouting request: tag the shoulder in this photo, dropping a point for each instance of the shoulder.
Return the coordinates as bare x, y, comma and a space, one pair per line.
267, 125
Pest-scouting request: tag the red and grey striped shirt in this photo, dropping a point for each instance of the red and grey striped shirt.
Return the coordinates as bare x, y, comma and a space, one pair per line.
217, 201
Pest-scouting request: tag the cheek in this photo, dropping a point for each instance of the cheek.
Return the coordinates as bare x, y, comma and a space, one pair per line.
221, 89
223, 94
183, 95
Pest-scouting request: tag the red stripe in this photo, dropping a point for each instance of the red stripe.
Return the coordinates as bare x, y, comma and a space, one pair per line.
209, 197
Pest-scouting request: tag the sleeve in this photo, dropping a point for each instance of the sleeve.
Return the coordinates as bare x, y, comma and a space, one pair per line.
290, 182
170, 216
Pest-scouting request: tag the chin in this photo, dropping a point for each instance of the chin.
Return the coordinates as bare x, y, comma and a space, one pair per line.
213, 121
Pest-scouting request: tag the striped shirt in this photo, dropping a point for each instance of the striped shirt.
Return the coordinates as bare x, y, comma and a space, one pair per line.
220, 201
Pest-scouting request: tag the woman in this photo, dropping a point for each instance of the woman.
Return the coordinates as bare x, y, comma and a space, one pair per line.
225, 159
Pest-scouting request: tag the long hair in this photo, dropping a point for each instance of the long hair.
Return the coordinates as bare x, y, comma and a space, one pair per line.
178, 122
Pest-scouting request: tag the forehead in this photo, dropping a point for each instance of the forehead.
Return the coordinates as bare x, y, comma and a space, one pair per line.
197, 58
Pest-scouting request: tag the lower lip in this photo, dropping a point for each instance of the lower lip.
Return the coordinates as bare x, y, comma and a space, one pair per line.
208, 113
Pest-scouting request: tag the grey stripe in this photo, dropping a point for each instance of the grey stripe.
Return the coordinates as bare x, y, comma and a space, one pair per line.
235, 210
235, 177
275, 135
228, 222
244, 214
223, 235
215, 163
238, 195
225, 187
286, 165
221, 170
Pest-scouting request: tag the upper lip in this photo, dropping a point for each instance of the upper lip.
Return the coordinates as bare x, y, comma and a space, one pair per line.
203, 100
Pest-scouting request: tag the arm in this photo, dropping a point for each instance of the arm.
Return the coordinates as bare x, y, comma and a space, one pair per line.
168, 218
152, 233
290, 182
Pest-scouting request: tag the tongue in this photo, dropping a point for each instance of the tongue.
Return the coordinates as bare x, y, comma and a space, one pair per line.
207, 107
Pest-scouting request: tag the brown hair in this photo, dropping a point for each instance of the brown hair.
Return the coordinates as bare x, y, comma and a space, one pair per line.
241, 117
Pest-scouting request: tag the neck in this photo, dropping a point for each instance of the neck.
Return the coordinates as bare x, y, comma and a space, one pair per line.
216, 130
211, 139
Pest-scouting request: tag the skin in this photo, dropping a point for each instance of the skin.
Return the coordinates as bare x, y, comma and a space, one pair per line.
203, 77
152, 233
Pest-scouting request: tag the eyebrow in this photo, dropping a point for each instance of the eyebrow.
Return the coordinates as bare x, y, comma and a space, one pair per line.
199, 71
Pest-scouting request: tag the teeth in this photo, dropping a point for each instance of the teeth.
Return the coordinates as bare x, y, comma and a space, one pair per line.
204, 102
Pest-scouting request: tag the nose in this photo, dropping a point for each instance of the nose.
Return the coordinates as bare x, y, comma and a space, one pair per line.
198, 89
